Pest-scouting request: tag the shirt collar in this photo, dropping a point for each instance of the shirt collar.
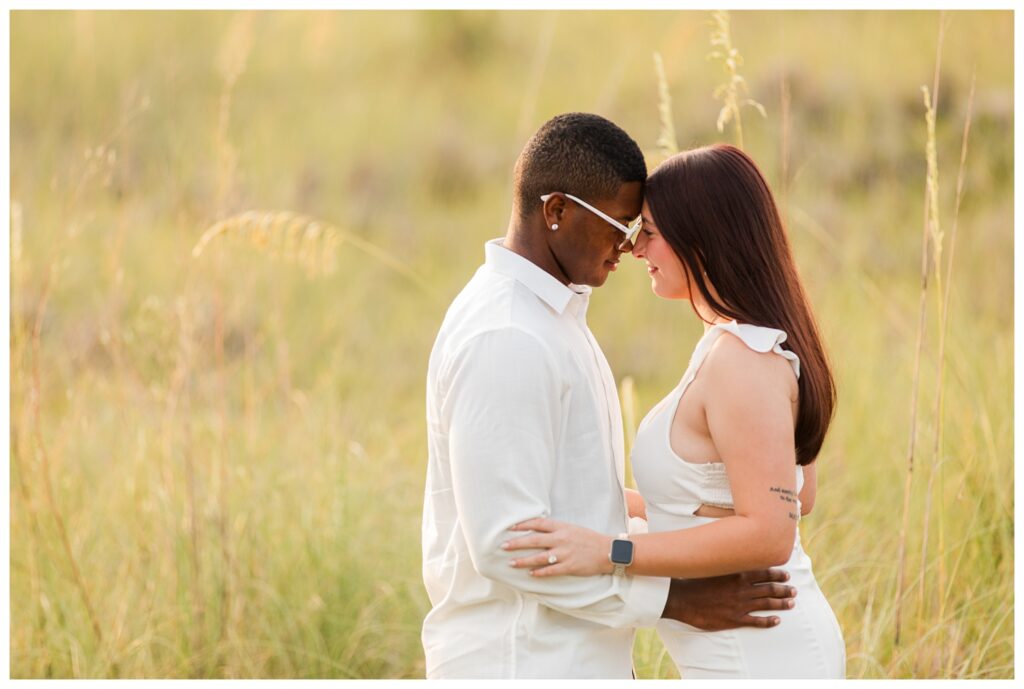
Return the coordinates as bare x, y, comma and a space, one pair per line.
548, 288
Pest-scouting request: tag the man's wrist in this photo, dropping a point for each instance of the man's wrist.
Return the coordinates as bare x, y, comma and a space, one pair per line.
674, 606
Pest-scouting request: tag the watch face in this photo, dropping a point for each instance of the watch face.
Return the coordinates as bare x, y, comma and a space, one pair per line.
622, 552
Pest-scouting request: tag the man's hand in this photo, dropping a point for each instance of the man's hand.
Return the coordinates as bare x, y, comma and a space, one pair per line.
635, 503
725, 602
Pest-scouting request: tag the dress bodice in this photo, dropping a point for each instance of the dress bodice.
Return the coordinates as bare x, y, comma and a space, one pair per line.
674, 487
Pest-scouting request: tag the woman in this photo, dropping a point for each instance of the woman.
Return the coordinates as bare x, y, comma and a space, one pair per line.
725, 462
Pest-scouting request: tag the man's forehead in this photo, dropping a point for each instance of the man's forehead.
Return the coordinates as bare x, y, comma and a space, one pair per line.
630, 198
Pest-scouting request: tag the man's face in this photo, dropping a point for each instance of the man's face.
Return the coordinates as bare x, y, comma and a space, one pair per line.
587, 246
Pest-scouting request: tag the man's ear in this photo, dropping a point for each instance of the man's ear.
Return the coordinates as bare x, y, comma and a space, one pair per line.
553, 210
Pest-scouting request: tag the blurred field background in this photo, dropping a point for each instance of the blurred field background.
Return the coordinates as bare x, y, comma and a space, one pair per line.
217, 461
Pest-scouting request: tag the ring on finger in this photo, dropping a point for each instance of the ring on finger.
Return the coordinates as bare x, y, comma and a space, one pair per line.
552, 559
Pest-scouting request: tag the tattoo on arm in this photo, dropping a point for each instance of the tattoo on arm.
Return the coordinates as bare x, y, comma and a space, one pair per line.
786, 496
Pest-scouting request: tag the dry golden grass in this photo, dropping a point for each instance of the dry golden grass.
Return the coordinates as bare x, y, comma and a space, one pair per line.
731, 91
217, 462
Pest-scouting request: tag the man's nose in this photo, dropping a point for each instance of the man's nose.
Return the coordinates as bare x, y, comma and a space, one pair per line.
626, 246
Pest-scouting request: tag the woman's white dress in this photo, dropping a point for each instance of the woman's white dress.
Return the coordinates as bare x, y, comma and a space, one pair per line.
808, 642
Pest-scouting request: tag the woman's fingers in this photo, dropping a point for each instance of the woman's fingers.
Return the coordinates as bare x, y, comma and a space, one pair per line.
528, 525
540, 565
538, 524
538, 540
532, 561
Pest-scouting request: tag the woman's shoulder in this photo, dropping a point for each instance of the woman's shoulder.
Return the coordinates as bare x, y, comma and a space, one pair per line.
748, 357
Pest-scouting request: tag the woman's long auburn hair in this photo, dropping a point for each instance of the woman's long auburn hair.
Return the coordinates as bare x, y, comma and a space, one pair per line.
714, 208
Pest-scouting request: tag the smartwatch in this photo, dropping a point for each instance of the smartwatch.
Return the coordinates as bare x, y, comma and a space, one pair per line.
621, 554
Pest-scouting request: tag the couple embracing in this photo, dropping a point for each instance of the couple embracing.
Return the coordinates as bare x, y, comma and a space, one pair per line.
536, 559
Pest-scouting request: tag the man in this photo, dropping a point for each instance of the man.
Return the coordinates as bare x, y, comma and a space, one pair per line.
523, 421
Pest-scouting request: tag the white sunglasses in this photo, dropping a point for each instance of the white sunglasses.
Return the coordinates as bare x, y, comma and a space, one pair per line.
631, 230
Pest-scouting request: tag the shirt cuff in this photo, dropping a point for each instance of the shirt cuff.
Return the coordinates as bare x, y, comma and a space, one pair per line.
646, 597
637, 525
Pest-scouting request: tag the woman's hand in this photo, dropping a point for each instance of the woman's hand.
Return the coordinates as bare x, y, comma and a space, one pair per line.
566, 549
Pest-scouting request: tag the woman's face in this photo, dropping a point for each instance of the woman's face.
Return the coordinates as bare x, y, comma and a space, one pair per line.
668, 274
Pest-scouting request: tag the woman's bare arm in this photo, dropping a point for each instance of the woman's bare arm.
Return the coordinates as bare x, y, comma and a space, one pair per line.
810, 490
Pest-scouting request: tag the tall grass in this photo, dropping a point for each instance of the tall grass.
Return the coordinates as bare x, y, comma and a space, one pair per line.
941, 591
667, 143
731, 91
217, 460
930, 244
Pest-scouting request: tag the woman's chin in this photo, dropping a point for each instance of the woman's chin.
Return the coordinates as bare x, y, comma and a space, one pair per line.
659, 293
660, 290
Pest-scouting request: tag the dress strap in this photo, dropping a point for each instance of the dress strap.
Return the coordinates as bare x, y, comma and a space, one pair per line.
757, 337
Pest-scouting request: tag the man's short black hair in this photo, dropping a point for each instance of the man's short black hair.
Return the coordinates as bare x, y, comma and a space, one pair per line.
577, 153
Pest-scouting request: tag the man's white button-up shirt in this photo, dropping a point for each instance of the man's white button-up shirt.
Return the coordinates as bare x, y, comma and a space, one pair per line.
523, 420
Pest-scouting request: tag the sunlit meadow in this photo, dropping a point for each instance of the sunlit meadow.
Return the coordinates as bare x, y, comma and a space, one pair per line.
217, 438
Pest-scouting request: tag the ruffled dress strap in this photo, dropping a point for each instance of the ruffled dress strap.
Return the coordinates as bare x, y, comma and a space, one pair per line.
757, 337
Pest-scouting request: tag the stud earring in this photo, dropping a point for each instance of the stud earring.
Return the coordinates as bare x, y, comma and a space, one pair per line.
554, 227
